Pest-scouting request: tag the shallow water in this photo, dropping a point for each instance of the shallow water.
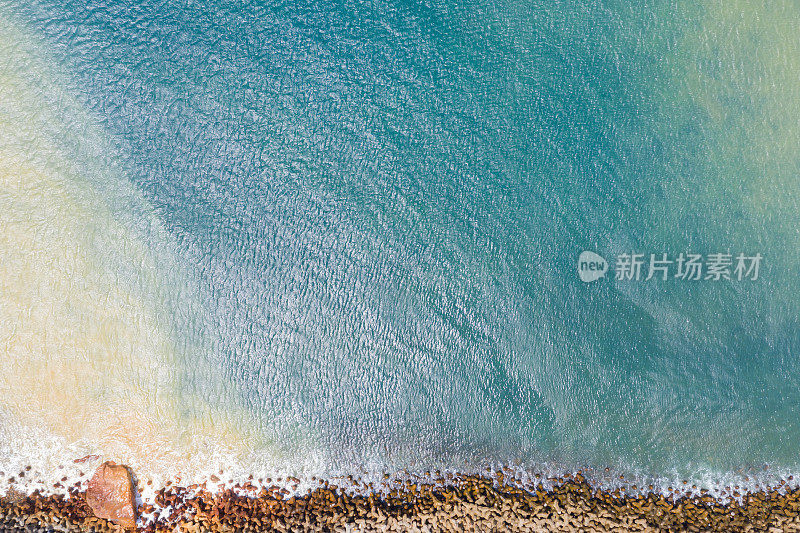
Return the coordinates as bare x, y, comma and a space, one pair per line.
327, 238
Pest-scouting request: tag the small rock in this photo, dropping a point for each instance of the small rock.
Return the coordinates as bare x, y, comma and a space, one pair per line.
110, 494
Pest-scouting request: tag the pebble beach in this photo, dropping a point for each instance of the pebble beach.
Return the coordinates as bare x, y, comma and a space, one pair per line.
455, 504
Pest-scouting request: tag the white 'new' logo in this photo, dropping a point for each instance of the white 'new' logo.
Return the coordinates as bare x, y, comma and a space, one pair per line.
591, 266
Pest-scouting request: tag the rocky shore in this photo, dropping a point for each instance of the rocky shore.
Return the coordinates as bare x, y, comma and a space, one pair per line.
455, 504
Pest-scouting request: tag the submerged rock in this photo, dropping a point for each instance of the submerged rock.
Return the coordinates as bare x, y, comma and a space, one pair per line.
110, 494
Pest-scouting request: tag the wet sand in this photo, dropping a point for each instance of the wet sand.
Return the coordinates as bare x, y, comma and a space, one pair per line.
468, 503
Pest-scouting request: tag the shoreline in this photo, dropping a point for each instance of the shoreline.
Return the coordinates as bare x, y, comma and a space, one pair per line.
464, 503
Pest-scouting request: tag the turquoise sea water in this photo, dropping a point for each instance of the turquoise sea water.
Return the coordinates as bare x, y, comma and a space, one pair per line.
345, 234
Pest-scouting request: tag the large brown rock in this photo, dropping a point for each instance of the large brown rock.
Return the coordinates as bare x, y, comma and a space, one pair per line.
110, 494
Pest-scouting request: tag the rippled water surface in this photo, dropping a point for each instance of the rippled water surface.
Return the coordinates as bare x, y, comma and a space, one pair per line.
328, 237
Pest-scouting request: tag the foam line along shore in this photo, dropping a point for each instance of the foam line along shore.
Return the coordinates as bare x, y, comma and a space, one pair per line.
494, 501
